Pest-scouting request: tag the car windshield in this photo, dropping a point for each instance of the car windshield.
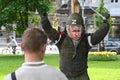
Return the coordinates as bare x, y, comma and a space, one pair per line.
111, 44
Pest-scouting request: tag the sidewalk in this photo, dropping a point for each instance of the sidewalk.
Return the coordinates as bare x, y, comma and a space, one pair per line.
51, 49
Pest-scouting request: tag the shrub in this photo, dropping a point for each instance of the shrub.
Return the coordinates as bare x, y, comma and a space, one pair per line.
102, 56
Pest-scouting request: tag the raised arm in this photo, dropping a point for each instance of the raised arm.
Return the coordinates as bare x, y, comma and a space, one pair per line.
51, 32
100, 34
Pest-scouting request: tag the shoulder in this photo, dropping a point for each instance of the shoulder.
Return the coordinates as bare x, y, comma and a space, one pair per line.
8, 77
60, 75
87, 34
53, 72
88, 38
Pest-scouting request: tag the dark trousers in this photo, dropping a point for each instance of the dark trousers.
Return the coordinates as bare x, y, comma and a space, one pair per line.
14, 49
84, 76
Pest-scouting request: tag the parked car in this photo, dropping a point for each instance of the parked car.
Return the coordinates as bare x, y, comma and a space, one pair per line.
109, 46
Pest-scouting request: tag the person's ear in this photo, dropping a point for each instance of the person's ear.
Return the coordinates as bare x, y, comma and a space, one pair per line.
22, 46
43, 48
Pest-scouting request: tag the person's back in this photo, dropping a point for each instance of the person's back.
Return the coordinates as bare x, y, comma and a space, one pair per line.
37, 71
34, 45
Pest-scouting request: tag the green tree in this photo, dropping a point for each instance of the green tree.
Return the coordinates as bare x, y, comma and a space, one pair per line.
19, 11
98, 20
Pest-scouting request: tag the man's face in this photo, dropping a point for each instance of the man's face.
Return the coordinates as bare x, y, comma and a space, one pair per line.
75, 32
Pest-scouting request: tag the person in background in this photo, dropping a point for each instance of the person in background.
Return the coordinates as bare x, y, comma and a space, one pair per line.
33, 45
13, 44
74, 44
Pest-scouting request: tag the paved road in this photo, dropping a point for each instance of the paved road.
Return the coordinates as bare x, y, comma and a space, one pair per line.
49, 49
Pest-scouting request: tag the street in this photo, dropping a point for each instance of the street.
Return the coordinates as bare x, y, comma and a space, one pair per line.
50, 49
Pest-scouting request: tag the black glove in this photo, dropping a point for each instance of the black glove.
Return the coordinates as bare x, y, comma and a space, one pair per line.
107, 16
43, 14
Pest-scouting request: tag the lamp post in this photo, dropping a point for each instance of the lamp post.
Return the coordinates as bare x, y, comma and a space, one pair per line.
83, 12
83, 8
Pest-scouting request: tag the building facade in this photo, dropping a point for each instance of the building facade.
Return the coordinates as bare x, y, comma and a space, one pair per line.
88, 7
87, 13
114, 9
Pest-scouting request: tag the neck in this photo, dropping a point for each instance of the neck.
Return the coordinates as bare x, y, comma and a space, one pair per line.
33, 57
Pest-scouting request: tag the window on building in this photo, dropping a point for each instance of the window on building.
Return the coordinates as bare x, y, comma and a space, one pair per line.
63, 1
93, 1
116, 1
112, 0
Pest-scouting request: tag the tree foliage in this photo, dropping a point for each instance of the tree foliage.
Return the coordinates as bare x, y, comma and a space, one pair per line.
19, 11
98, 20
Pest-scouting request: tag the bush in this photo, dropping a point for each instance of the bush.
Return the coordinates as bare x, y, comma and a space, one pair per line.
102, 56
